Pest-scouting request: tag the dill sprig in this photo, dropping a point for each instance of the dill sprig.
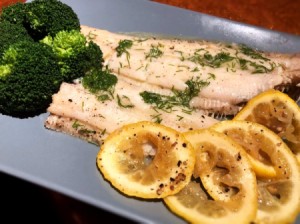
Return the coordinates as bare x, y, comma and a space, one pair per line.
101, 83
154, 52
124, 101
252, 53
204, 58
178, 98
123, 47
208, 59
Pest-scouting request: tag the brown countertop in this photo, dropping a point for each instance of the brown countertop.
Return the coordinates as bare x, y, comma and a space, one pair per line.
278, 15
4, 3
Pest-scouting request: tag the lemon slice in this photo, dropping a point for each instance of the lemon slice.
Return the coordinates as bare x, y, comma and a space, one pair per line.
278, 112
257, 150
224, 170
146, 160
278, 196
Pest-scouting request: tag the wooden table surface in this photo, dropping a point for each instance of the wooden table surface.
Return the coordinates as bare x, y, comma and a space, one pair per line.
25, 200
278, 15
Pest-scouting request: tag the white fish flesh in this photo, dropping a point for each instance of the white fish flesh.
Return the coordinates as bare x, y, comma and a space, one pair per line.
78, 112
232, 73
206, 77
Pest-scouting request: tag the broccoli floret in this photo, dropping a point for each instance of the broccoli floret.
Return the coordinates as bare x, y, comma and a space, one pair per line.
14, 13
29, 76
11, 33
42, 17
40, 47
48, 17
76, 55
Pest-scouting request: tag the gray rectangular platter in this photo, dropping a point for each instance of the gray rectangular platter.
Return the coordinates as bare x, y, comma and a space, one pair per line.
67, 165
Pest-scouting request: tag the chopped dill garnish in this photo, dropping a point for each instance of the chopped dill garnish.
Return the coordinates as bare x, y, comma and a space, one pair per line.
207, 59
82, 105
91, 35
260, 68
182, 58
178, 98
179, 117
103, 132
124, 101
141, 40
243, 63
81, 128
76, 125
155, 52
196, 69
123, 47
212, 76
252, 53
86, 131
233, 62
156, 118
187, 111
101, 83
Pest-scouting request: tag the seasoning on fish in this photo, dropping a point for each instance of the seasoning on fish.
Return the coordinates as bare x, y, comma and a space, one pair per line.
231, 73
179, 83
77, 111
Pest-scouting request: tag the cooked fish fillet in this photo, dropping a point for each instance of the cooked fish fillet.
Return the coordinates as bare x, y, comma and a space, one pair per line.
217, 77
77, 112
233, 73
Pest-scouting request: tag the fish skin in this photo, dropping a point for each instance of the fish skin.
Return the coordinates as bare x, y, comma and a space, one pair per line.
76, 111
66, 125
231, 87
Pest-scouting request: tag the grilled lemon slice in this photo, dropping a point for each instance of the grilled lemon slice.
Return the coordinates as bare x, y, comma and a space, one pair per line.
278, 112
278, 196
223, 187
146, 160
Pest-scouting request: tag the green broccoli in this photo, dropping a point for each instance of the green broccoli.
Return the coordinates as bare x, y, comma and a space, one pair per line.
76, 55
42, 17
14, 13
40, 47
11, 33
48, 17
29, 76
